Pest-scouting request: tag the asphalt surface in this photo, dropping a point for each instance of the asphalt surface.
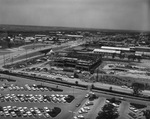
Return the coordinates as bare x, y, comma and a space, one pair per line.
65, 107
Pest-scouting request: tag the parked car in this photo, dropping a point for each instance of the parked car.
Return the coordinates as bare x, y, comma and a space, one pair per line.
77, 105
89, 103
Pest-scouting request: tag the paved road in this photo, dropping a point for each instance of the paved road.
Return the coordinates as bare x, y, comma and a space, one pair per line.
98, 104
18, 52
123, 109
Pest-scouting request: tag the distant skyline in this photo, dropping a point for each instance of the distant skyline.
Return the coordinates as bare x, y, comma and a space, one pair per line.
99, 14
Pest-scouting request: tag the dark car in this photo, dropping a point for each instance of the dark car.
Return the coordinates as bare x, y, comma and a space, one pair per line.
77, 105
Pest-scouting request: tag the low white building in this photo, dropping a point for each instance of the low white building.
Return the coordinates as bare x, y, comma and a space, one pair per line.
99, 51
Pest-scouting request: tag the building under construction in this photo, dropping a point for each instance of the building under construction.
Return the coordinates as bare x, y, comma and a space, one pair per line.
79, 61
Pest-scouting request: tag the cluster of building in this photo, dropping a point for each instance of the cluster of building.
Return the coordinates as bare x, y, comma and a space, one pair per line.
121, 40
18, 40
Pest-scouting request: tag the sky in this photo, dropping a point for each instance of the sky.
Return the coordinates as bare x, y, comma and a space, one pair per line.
101, 14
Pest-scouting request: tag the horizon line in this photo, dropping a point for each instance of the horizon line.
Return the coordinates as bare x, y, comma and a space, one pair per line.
80, 28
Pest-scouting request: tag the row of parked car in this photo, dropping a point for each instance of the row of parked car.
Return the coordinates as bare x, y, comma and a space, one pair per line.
34, 87
55, 98
14, 111
135, 113
114, 104
36, 69
83, 110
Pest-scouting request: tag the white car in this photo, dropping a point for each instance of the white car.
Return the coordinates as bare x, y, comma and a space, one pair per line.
45, 89
10, 88
107, 101
124, 86
80, 116
89, 103
47, 115
57, 95
75, 117
121, 98
87, 95
115, 105
2, 88
86, 108
13, 114
22, 88
81, 112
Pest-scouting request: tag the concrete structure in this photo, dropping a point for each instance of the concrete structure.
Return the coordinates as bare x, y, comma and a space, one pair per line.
78, 62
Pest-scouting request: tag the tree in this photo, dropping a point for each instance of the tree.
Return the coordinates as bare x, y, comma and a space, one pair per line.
109, 111
146, 113
76, 75
92, 97
110, 88
76, 82
139, 58
132, 57
92, 86
113, 100
137, 88
113, 55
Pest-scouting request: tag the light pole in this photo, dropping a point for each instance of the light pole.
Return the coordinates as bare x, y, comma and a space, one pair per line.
26, 54
4, 59
73, 90
9, 73
9, 58
12, 59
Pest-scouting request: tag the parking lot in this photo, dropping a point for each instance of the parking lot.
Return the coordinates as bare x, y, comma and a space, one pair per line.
14, 111
39, 98
28, 94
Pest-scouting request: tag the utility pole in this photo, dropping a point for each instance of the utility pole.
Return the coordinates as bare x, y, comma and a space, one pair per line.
73, 90
26, 54
4, 59
97, 75
12, 59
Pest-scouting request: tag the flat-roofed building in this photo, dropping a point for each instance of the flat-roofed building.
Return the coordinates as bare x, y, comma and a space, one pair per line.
115, 48
106, 51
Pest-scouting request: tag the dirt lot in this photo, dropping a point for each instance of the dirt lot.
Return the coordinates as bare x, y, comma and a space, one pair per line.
123, 73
